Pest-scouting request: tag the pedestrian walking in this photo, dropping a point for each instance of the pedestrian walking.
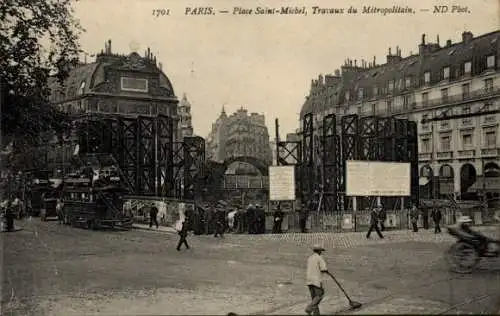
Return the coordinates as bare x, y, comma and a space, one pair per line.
220, 221
374, 221
382, 215
414, 217
182, 228
59, 210
278, 219
316, 267
153, 216
436, 218
425, 216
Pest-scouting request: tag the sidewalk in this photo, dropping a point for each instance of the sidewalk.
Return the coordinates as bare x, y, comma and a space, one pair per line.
160, 229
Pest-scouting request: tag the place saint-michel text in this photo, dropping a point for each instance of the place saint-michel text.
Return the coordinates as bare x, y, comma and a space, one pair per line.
315, 10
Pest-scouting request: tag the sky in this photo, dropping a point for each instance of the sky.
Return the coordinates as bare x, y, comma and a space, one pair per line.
265, 63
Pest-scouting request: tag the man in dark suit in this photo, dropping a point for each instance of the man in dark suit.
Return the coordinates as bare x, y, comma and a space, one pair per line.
183, 234
153, 216
436, 217
374, 220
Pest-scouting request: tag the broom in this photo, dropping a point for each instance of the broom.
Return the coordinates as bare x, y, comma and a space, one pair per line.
353, 304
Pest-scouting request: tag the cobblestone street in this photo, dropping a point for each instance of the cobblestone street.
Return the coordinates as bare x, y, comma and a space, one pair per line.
57, 270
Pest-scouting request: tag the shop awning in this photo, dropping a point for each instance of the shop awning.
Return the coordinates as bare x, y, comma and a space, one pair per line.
489, 184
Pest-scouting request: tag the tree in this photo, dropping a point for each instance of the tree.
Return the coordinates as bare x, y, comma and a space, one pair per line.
38, 39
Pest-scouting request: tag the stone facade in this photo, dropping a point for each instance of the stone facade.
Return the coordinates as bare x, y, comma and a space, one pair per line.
129, 85
185, 119
239, 135
459, 155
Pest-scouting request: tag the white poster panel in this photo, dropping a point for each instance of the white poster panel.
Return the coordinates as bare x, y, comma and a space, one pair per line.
370, 178
282, 183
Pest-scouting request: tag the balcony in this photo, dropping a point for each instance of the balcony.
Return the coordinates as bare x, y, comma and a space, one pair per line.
424, 156
444, 155
466, 154
458, 98
490, 152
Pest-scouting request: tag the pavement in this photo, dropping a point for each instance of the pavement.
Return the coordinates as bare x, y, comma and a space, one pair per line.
50, 269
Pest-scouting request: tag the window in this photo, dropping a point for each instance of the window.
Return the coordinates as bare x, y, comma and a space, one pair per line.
444, 94
375, 91
347, 96
445, 143
466, 110
488, 84
82, 88
466, 140
465, 90
425, 98
446, 73
490, 61
406, 102
467, 68
408, 82
391, 85
134, 84
490, 139
427, 77
426, 145
389, 105
360, 94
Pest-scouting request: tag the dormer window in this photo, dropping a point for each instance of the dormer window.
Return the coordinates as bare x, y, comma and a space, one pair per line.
82, 88
408, 82
427, 77
467, 67
490, 61
446, 73
360, 94
391, 86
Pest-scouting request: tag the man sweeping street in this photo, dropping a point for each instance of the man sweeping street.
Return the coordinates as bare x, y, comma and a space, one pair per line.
316, 266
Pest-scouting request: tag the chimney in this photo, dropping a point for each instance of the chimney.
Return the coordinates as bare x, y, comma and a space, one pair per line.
390, 51
448, 43
374, 61
423, 39
149, 53
337, 72
160, 65
109, 46
437, 39
467, 37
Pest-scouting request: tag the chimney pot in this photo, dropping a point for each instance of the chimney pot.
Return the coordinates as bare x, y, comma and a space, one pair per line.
109, 46
423, 39
389, 51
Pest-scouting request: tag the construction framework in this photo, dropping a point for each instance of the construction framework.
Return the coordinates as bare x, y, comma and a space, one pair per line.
145, 151
308, 173
361, 138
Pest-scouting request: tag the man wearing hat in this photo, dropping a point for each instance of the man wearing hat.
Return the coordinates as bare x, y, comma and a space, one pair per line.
316, 266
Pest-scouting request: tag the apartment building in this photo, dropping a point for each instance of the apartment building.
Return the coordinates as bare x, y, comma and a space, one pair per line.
451, 90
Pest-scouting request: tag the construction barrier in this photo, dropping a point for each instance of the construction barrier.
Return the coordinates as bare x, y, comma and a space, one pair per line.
347, 221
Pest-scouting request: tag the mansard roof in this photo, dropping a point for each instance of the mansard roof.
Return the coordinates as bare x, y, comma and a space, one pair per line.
431, 58
85, 78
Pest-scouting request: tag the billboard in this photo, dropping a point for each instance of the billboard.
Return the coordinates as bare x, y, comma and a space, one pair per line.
281, 183
374, 178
